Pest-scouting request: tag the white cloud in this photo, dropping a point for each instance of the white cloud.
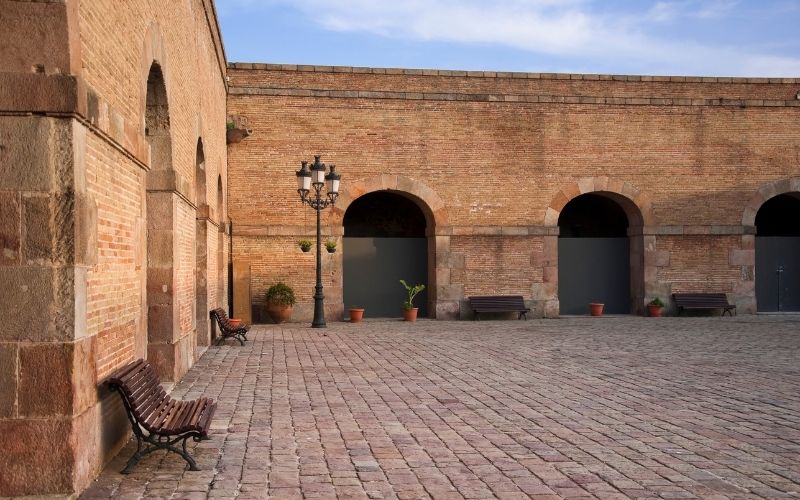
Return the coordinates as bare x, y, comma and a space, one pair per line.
558, 28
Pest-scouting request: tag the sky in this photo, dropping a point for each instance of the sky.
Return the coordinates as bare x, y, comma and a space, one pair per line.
631, 37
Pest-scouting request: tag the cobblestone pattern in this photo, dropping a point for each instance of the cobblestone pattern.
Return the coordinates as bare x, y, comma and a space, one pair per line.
576, 407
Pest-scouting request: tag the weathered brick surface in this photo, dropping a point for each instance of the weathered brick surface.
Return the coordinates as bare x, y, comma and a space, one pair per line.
506, 152
597, 408
74, 225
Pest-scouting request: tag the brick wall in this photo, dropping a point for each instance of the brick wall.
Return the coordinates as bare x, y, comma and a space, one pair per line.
74, 211
505, 152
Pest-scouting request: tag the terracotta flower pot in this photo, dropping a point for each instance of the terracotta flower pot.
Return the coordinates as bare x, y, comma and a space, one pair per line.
279, 313
356, 315
410, 314
655, 311
596, 309
235, 322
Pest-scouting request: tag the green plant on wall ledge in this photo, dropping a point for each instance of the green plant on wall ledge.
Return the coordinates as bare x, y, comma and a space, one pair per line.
657, 302
330, 246
305, 245
412, 291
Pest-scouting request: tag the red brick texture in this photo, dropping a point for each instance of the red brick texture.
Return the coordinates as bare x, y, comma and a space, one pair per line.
76, 168
505, 153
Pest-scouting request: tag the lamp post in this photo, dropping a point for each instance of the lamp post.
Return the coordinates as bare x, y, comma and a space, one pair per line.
306, 180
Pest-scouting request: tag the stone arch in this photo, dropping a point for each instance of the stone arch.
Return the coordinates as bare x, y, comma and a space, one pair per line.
202, 229
625, 193
435, 212
153, 52
637, 207
763, 194
428, 200
161, 201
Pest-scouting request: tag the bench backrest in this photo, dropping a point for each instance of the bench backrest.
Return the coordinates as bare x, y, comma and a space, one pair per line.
700, 299
513, 302
222, 318
140, 388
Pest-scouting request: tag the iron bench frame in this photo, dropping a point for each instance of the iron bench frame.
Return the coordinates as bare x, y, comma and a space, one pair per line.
498, 304
226, 329
153, 413
685, 301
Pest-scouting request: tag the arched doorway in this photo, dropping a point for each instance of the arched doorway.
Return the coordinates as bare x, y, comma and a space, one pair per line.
778, 254
162, 314
202, 319
599, 254
384, 241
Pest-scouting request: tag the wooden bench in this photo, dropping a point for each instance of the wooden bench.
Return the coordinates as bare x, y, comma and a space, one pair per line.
227, 329
498, 304
158, 421
704, 301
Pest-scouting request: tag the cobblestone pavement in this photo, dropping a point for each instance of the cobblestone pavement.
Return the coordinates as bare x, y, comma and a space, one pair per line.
610, 407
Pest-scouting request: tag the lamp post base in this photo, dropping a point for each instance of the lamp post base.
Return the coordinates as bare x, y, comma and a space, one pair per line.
319, 310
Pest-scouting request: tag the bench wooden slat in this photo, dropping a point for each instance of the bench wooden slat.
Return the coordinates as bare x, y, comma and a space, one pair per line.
227, 329
703, 301
498, 303
151, 409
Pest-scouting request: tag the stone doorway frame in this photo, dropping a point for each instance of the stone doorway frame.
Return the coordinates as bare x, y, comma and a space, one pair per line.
440, 303
637, 206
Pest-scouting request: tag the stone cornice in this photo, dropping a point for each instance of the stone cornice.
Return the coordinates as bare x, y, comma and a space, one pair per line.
506, 74
511, 98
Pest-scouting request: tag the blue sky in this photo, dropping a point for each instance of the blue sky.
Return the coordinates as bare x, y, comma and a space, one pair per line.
668, 37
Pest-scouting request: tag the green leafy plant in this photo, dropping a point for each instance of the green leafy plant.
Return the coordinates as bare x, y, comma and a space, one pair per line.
330, 245
229, 125
305, 245
412, 292
281, 294
657, 302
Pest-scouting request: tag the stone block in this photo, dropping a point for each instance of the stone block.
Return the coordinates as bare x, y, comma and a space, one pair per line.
45, 380
453, 260
551, 308
37, 232
449, 292
742, 257
86, 448
24, 158
161, 323
86, 230
448, 310
162, 357
160, 209
8, 375
37, 457
28, 303
10, 224
84, 375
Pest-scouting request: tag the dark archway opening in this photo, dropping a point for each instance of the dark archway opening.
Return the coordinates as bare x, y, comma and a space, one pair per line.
384, 241
778, 254
202, 319
594, 256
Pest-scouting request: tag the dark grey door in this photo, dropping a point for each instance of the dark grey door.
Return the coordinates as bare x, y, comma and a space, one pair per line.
778, 273
594, 270
373, 268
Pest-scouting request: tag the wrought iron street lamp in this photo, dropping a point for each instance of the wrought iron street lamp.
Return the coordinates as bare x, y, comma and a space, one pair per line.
314, 179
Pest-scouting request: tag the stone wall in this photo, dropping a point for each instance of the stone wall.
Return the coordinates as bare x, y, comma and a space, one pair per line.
505, 152
77, 171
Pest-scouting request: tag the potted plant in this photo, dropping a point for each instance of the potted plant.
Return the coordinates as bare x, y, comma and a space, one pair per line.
356, 314
234, 134
330, 246
305, 245
280, 299
596, 308
655, 307
409, 311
